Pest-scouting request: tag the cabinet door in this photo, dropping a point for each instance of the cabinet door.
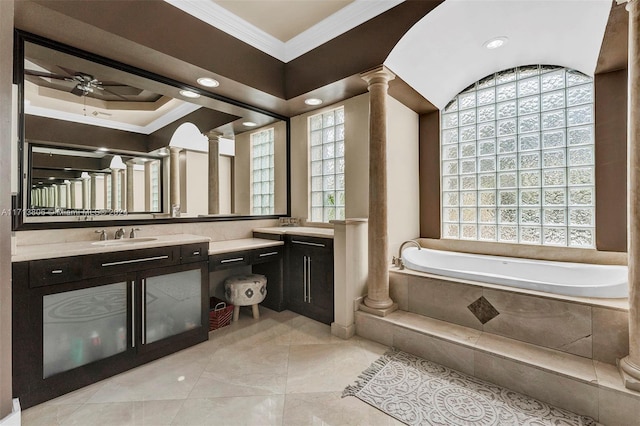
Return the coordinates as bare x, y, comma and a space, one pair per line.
310, 278
173, 304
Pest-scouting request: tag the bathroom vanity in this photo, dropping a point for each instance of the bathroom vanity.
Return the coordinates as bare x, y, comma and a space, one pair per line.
308, 270
85, 311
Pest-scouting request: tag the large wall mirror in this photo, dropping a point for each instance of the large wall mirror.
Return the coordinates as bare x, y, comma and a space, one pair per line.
102, 141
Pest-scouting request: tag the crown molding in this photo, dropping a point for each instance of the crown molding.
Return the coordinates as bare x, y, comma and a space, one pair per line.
338, 23
220, 18
156, 124
345, 19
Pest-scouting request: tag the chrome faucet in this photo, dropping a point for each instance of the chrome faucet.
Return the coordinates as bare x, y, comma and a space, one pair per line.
133, 232
119, 234
397, 261
103, 234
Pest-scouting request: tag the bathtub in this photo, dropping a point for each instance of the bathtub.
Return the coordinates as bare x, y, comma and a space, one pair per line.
571, 279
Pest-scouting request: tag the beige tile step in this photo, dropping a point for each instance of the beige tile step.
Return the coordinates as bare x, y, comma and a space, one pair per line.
568, 381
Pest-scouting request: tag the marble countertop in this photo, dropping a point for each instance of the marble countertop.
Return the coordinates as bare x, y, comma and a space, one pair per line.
229, 246
298, 230
79, 248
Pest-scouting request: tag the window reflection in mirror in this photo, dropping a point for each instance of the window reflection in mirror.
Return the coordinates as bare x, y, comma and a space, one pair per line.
81, 107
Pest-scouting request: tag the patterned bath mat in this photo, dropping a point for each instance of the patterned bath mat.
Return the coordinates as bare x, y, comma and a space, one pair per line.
420, 392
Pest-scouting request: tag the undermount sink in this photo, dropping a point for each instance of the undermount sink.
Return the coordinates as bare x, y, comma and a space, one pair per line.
124, 241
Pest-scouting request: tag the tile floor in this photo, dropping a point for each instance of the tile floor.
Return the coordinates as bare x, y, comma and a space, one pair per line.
283, 369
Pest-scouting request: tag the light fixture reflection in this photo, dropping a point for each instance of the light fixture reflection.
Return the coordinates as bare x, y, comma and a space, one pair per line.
189, 94
117, 163
313, 101
249, 124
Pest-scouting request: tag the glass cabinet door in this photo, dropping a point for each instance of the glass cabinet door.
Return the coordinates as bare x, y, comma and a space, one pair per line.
172, 304
82, 326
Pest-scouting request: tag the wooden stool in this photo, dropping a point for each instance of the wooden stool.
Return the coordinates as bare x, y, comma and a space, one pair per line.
245, 290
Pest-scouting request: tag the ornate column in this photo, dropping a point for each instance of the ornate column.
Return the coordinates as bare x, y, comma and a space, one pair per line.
72, 194
174, 181
630, 365
378, 301
85, 192
114, 188
214, 172
94, 191
67, 185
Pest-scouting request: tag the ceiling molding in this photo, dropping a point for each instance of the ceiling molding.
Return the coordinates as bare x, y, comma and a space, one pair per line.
345, 19
155, 125
219, 17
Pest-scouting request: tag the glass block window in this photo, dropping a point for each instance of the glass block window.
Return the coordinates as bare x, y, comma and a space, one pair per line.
326, 147
155, 186
262, 172
517, 159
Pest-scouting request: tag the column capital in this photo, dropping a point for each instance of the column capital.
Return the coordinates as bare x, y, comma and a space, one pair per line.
380, 74
628, 3
213, 135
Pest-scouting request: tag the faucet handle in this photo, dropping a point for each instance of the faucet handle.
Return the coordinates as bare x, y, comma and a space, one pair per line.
103, 234
133, 232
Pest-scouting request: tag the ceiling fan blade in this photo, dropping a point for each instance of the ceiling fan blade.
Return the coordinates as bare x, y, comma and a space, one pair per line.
48, 75
112, 93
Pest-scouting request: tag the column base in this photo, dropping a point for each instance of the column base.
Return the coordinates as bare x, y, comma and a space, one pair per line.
630, 374
342, 331
381, 312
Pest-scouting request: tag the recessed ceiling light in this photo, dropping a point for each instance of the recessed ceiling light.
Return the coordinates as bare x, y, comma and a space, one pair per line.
249, 124
313, 101
208, 82
495, 42
189, 94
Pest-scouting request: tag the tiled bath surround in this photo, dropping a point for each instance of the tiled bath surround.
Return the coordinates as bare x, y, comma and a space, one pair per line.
561, 350
579, 326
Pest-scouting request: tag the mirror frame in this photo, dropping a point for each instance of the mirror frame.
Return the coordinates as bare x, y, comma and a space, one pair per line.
19, 224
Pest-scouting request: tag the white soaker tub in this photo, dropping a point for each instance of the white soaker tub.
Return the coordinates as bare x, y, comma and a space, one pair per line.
571, 279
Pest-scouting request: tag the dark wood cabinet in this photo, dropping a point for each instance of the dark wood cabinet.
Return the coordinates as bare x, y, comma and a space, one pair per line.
267, 261
310, 277
110, 312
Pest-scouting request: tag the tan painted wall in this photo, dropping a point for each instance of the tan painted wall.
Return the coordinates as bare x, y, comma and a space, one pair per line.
356, 111
403, 189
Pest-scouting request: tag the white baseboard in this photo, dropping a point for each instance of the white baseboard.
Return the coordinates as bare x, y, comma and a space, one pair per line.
13, 419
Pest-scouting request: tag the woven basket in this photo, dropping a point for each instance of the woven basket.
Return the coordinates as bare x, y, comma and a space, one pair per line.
219, 313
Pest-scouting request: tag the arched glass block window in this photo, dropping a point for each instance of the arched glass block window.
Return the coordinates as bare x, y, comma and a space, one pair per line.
517, 159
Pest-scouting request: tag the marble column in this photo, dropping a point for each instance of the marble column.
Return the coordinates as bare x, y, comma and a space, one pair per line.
72, 194
630, 365
129, 178
61, 195
174, 180
85, 193
214, 172
378, 301
67, 185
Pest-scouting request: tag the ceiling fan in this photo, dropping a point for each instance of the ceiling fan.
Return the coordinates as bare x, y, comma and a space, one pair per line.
86, 84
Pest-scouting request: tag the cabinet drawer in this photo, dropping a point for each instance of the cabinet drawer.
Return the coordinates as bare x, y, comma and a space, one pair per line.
311, 242
228, 260
194, 253
266, 254
55, 271
132, 260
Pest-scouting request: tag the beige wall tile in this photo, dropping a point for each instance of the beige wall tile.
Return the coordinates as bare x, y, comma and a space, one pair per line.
581, 398
443, 300
399, 290
373, 328
545, 322
451, 355
610, 334
618, 409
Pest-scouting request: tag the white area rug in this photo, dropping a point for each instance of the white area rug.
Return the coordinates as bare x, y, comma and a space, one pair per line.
420, 392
